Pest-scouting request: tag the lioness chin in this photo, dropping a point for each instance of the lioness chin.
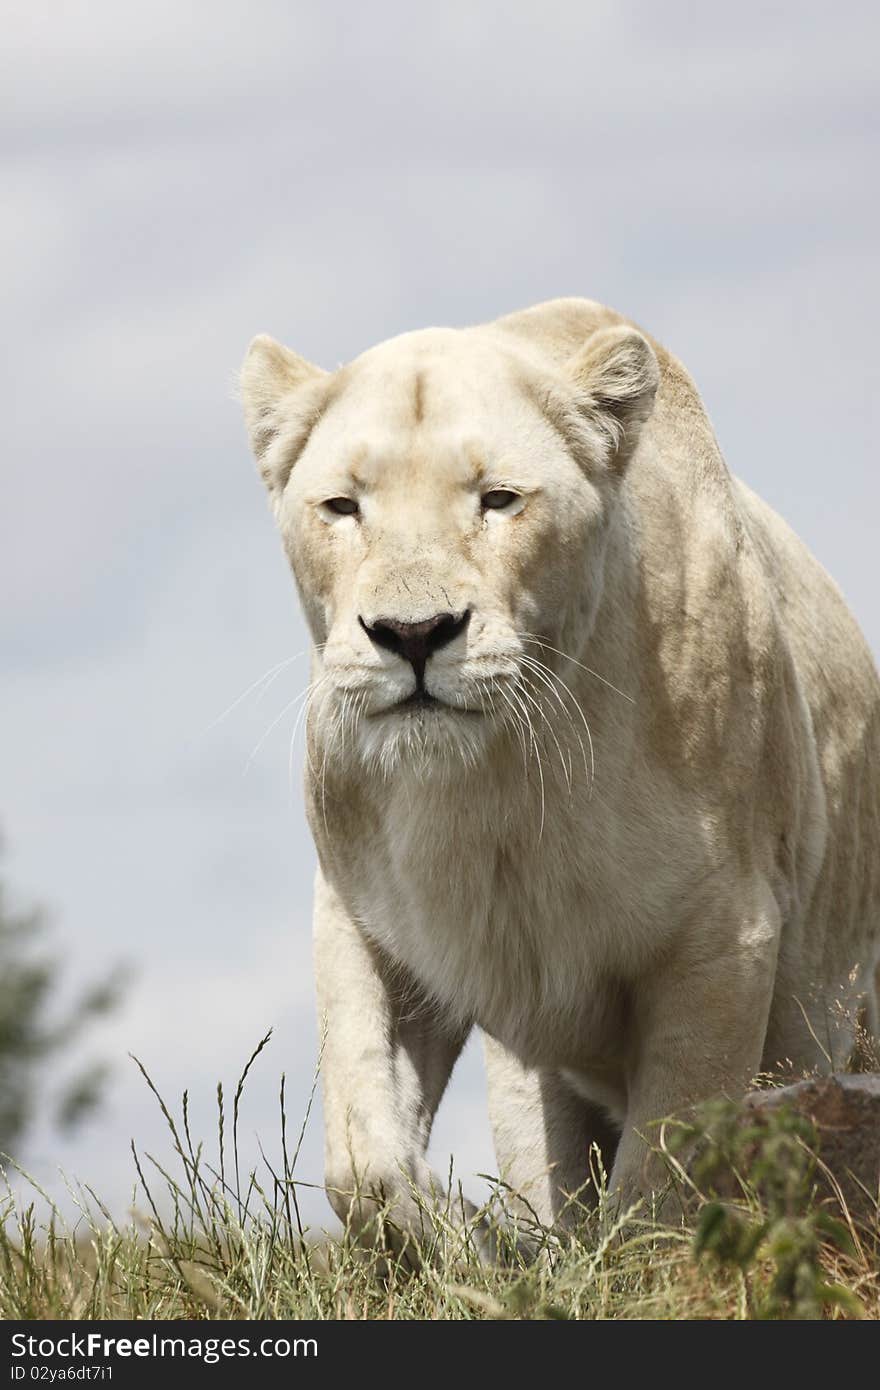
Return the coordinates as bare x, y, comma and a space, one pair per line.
593, 751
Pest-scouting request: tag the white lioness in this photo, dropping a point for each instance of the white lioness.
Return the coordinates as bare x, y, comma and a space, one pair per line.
594, 749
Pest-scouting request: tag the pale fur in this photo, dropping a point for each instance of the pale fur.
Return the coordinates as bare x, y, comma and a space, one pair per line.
646, 867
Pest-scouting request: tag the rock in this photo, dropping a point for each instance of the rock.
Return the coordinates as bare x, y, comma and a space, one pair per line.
845, 1112
844, 1134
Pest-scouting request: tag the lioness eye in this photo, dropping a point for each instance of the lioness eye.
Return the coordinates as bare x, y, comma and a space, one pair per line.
344, 506
497, 499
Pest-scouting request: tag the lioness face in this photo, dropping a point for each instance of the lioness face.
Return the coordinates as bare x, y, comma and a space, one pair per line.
444, 511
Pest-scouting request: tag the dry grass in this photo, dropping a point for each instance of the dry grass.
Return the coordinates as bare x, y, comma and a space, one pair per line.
232, 1246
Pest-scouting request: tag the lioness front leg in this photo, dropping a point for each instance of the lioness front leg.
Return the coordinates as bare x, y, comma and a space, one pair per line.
544, 1135
387, 1058
700, 1025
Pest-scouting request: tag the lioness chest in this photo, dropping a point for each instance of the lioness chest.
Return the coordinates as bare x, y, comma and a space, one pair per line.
509, 923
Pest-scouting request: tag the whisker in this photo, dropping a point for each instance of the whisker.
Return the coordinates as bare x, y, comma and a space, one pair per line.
303, 696
530, 637
275, 722
302, 719
266, 680
513, 721
547, 676
290, 760
534, 743
540, 668
517, 722
534, 700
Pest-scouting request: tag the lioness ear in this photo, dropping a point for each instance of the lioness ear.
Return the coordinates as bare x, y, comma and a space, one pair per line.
271, 377
617, 372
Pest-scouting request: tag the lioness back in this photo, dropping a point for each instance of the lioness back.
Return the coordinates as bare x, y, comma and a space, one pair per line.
839, 680
834, 668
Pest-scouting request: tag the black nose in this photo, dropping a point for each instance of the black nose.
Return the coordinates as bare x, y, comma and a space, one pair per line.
415, 642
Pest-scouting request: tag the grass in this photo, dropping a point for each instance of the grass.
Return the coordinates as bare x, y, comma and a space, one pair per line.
210, 1242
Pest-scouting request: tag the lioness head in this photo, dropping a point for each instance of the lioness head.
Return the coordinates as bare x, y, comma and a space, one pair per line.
444, 501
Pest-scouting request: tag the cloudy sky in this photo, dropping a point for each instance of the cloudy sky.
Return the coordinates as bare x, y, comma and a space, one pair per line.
179, 177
